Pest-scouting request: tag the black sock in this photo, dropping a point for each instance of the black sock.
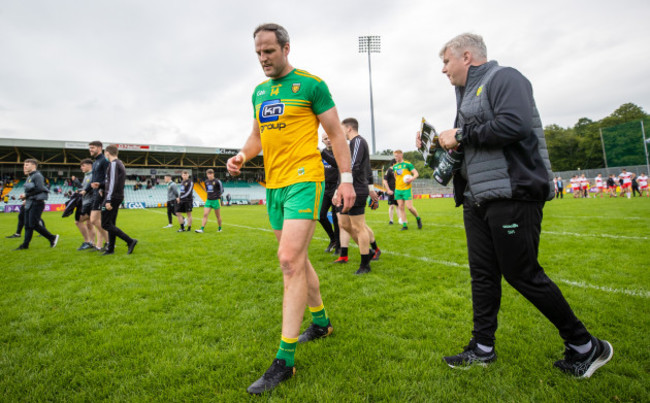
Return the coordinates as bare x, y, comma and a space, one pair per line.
344, 252
182, 226
373, 245
365, 259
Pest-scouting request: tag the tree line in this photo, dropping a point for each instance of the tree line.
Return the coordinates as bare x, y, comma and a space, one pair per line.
580, 146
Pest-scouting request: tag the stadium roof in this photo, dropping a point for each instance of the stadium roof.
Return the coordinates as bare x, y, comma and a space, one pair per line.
136, 155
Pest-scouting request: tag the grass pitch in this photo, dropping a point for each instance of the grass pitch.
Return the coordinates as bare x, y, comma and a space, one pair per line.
197, 317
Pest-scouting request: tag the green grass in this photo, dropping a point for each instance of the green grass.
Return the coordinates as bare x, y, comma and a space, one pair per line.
196, 317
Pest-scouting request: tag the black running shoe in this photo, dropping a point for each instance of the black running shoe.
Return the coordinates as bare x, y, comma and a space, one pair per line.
277, 372
108, 252
584, 365
419, 223
13, 236
21, 247
330, 247
87, 246
54, 241
363, 270
132, 246
376, 254
404, 228
472, 355
314, 332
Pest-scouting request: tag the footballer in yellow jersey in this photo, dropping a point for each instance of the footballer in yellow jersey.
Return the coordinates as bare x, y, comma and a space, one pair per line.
289, 107
286, 110
403, 193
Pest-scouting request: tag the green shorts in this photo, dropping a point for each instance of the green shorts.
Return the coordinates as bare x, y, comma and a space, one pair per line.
403, 194
212, 204
300, 201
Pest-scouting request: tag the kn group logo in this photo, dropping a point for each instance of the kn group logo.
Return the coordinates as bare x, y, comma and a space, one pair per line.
271, 110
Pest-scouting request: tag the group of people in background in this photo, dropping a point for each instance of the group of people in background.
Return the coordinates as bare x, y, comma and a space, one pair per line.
629, 183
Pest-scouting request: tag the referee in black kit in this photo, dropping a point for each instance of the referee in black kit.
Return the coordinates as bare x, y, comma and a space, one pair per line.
114, 195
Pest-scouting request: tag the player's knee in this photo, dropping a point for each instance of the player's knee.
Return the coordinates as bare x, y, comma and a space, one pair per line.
288, 262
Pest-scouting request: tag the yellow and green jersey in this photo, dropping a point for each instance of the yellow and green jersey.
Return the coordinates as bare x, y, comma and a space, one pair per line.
400, 171
286, 111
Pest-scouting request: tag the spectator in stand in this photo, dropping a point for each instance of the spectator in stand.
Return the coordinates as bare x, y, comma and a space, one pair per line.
74, 183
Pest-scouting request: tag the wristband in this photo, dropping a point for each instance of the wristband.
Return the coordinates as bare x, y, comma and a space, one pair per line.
346, 177
243, 157
371, 188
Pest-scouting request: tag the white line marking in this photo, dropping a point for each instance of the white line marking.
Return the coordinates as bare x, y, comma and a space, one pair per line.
594, 235
579, 284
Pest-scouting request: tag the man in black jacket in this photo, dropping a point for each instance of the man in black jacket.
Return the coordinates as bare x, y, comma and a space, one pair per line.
331, 184
35, 195
100, 164
503, 184
113, 197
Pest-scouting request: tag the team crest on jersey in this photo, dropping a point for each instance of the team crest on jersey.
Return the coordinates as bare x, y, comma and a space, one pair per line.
295, 88
271, 110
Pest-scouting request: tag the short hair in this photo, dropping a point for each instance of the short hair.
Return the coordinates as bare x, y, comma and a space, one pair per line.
96, 143
185, 172
351, 122
464, 42
398, 152
32, 161
112, 150
86, 161
168, 175
281, 34
210, 171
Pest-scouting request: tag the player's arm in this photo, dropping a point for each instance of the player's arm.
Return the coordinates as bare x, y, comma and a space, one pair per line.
332, 125
415, 174
251, 148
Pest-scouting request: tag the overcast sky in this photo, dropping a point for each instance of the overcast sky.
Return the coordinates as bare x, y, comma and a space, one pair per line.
182, 72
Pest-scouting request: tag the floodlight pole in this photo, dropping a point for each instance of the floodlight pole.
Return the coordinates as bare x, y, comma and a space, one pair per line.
370, 44
645, 147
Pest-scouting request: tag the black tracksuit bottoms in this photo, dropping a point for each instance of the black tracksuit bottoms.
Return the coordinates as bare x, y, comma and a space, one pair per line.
503, 240
109, 217
332, 230
33, 222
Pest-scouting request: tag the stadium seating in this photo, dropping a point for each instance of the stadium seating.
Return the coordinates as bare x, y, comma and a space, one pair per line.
240, 193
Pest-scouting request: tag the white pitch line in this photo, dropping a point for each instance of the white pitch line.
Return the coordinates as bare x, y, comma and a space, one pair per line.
581, 284
578, 234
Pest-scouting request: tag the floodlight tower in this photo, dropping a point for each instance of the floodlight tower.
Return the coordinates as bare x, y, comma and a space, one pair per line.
370, 44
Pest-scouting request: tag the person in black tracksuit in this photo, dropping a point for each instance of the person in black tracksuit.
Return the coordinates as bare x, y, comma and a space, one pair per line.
21, 223
113, 197
100, 164
185, 202
35, 195
354, 221
503, 183
389, 184
172, 195
331, 184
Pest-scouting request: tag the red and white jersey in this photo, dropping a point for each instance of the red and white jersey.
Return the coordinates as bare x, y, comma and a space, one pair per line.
626, 176
599, 181
584, 183
575, 183
643, 181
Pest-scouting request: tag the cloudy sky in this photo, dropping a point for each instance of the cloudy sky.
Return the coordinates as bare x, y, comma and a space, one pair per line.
182, 72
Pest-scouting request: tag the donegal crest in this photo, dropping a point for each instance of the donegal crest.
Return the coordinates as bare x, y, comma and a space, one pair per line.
295, 88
